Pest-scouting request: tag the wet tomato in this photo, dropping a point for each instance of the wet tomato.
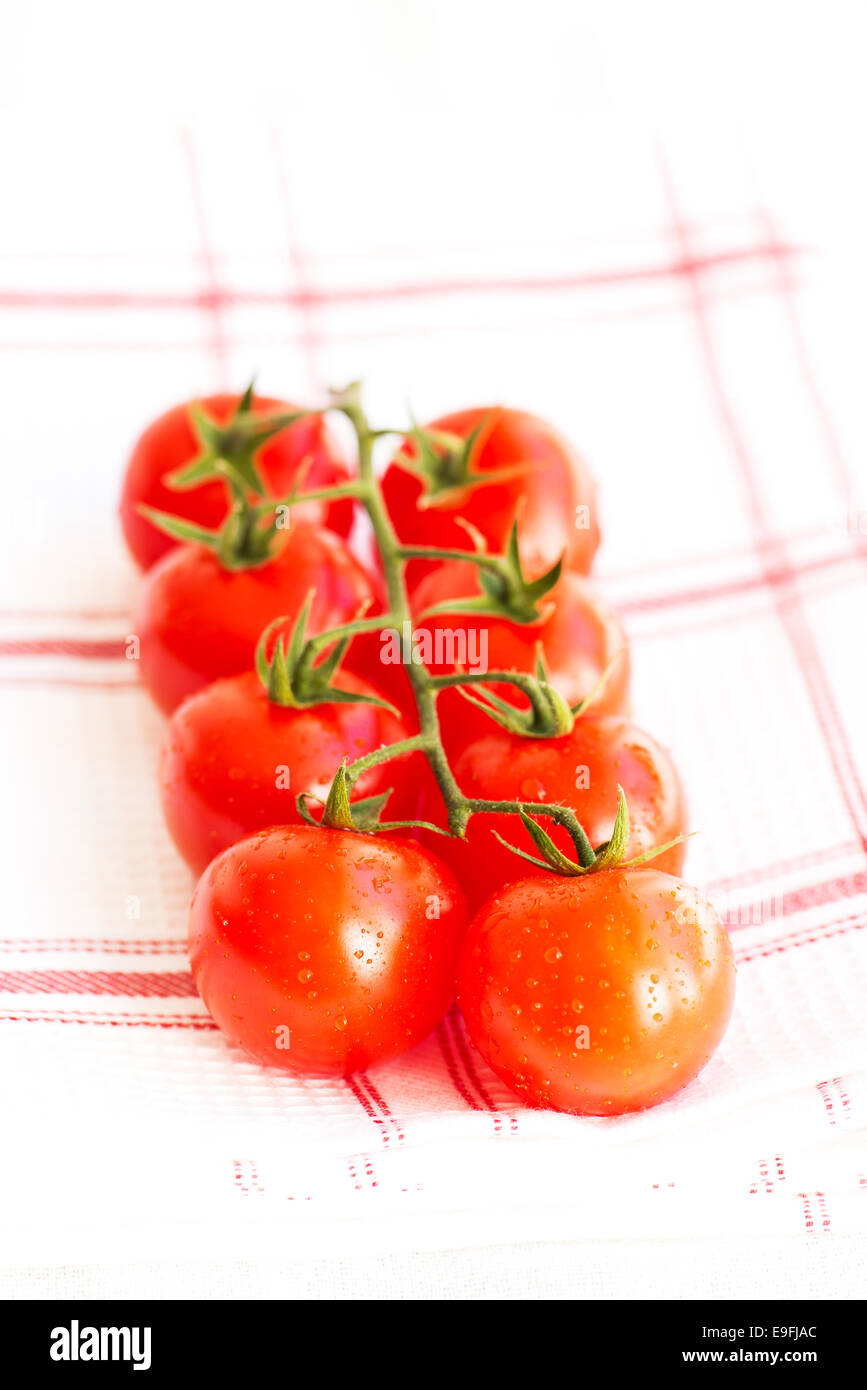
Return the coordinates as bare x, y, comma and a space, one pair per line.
597, 995
233, 761
581, 770
325, 951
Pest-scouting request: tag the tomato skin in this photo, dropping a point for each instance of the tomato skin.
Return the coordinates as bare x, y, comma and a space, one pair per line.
610, 750
325, 932
634, 955
557, 482
197, 621
581, 636
225, 744
169, 443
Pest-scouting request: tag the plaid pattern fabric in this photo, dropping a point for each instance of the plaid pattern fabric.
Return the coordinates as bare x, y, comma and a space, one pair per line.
688, 343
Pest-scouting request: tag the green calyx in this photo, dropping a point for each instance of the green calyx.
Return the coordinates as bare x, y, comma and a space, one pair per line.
444, 463
249, 534
288, 673
340, 813
505, 592
608, 855
236, 443
547, 716
247, 537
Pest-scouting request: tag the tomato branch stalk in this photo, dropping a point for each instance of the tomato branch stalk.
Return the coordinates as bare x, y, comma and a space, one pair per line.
505, 590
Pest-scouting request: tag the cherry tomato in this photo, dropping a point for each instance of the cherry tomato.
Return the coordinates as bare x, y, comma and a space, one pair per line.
233, 761
551, 483
580, 635
325, 951
197, 621
597, 995
582, 770
169, 444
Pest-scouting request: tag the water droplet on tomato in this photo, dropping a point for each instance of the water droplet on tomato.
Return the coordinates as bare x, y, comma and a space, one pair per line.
532, 789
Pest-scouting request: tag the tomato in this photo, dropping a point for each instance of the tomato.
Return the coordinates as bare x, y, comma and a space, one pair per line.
597, 995
233, 761
325, 951
197, 621
580, 635
582, 770
551, 483
169, 444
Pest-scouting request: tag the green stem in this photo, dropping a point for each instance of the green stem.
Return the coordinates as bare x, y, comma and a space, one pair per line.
543, 716
336, 634
322, 494
563, 815
425, 687
472, 557
521, 679
415, 744
393, 567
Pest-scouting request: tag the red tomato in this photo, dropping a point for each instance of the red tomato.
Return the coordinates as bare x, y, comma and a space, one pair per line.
197, 621
371, 659
582, 770
325, 951
580, 637
597, 995
233, 761
170, 443
551, 483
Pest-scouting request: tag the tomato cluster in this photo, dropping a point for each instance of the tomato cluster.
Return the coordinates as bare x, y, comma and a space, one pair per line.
444, 711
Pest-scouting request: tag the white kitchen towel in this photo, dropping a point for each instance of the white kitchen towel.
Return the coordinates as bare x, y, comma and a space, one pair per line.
698, 346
